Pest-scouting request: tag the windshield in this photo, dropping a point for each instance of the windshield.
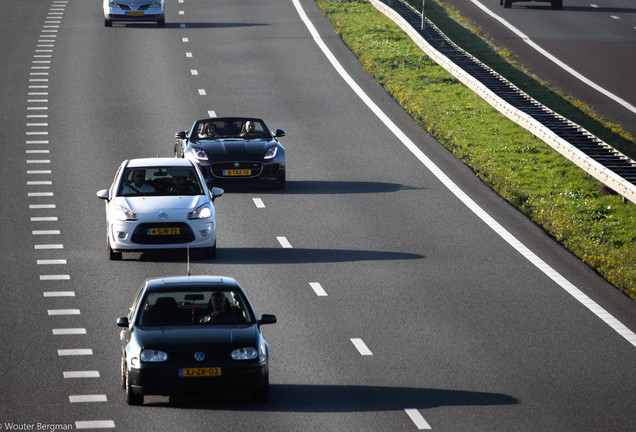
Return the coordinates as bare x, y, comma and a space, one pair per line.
160, 181
199, 307
230, 128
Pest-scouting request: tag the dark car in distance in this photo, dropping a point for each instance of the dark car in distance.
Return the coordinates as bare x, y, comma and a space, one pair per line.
234, 150
193, 334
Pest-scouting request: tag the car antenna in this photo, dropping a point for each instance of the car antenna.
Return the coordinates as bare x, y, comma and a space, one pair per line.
188, 261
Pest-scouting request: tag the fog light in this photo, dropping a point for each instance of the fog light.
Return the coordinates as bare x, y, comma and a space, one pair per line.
122, 235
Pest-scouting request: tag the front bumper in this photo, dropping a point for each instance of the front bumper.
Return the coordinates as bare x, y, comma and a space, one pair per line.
134, 236
164, 379
149, 14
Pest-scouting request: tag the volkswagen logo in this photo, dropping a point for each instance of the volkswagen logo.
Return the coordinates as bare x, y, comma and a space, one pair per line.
236, 164
199, 356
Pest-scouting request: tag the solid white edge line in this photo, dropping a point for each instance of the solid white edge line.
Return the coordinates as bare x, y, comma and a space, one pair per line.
620, 328
555, 60
417, 418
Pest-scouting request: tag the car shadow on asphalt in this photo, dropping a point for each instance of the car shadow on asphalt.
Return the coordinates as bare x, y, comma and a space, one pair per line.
273, 256
322, 187
336, 398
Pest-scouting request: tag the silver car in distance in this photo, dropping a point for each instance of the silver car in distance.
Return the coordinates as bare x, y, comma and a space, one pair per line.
134, 11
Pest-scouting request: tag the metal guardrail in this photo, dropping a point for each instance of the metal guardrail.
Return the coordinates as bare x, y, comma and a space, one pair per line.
595, 157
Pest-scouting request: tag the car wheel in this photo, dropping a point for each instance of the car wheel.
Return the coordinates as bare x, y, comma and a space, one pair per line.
161, 22
507, 4
108, 23
210, 252
132, 398
112, 255
556, 4
123, 373
262, 394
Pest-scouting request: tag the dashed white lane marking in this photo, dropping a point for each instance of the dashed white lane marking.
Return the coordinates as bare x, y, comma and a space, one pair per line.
44, 219
284, 242
59, 312
59, 294
202, 92
55, 277
48, 246
69, 331
45, 232
317, 289
417, 418
194, 72
40, 194
81, 374
258, 203
51, 261
189, 55
41, 206
94, 424
185, 40
211, 113
74, 352
361, 346
87, 398
567, 286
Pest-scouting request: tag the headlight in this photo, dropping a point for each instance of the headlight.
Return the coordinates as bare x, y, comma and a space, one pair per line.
149, 355
199, 154
123, 214
203, 212
156, 3
271, 153
247, 353
113, 4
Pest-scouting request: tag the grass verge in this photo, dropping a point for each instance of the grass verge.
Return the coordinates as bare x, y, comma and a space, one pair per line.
575, 209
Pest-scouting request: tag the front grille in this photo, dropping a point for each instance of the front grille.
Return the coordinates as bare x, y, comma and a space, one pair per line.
211, 358
141, 235
220, 169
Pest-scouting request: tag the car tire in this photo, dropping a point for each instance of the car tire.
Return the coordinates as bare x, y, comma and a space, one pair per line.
161, 22
210, 252
123, 373
108, 23
556, 4
132, 398
112, 255
507, 4
262, 394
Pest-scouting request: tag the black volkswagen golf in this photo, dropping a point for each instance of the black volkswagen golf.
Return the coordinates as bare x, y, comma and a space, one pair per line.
193, 334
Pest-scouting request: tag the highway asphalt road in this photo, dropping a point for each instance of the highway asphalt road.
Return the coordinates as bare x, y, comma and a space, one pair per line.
586, 49
430, 318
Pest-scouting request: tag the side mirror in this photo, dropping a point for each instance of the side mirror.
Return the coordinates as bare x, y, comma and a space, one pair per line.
279, 133
122, 321
267, 319
180, 135
216, 192
103, 194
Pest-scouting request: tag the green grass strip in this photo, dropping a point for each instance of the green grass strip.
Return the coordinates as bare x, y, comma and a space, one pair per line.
575, 209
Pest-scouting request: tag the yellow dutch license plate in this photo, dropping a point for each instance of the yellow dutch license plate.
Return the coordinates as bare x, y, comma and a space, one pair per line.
134, 13
237, 172
164, 231
200, 372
